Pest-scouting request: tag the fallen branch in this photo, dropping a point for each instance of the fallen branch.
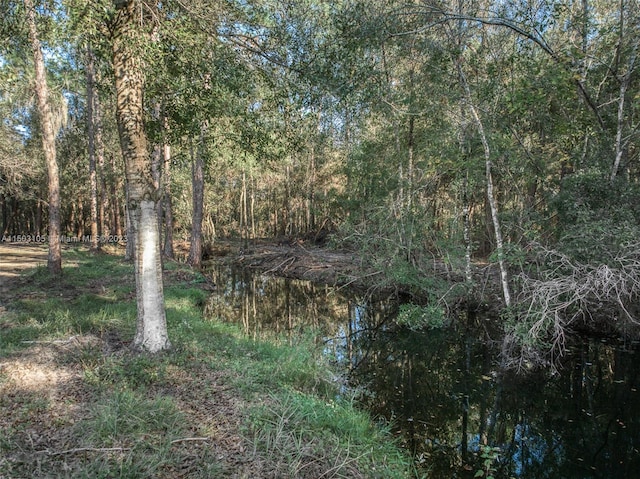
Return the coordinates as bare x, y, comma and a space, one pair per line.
53, 341
84, 449
566, 292
291, 260
359, 278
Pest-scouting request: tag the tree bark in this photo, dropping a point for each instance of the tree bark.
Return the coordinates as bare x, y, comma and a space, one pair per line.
91, 134
54, 260
151, 332
166, 202
197, 182
493, 205
102, 195
621, 144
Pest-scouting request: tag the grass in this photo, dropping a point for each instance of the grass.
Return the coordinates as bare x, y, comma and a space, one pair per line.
76, 402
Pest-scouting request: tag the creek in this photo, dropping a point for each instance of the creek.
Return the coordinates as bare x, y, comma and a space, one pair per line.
441, 390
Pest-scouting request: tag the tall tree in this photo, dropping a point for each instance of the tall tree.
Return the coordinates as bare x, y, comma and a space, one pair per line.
91, 136
143, 195
54, 260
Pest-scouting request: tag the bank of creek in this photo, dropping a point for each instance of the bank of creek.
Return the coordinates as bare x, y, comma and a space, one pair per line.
441, 389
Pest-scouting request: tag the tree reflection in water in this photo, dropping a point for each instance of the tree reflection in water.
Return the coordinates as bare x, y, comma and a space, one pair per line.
441, 388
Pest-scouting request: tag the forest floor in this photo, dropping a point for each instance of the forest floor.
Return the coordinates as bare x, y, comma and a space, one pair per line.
17, 257
75, 401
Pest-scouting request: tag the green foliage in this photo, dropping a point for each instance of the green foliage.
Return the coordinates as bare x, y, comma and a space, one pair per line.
598, 220
419, 317
490, 456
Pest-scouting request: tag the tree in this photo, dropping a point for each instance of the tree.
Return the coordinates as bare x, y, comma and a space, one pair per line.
143, 195
54, 260
91, 135
197, 181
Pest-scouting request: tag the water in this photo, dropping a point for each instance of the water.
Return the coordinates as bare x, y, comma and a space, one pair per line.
441, 389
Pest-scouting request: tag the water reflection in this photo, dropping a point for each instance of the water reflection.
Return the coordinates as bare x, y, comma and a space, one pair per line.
442, 391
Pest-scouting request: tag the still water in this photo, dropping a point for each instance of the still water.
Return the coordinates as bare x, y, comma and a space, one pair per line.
442, 391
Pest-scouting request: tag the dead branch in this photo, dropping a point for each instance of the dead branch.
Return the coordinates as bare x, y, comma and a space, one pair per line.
84, 449
565, 292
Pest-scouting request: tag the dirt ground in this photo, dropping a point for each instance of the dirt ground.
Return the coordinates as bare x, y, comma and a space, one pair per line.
17, 257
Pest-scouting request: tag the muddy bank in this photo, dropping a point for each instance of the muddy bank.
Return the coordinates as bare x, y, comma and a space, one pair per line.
296, 261
299, 260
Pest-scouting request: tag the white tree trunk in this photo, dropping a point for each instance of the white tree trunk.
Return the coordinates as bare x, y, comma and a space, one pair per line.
151, 332
142, 191
493, 205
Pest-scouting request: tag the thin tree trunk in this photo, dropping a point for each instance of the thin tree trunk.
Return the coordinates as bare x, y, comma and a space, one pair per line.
244, 214
166, 202
151, 331
252, 208
493, 205
311, 206
91, 135
116, 211
101, 165
197, 182
39, 217
466, 232
624, 85
54, 260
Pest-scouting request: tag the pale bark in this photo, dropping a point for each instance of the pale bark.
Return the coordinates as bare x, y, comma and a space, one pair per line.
466, 233
54, 260
166, 202
493, 204
620, 144
151, 333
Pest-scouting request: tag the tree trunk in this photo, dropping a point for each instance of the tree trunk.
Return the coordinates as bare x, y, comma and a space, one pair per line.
493, 205
466, 232
151, 332
54, 261
5, 213
156, 168
197, 181
116, 216
244, 220
91, 135
620, 143
100, 160
166, 202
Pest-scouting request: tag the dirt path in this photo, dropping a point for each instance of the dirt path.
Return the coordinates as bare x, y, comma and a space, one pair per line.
17, 257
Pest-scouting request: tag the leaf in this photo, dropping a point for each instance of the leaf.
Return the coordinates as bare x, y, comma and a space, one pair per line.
479, 473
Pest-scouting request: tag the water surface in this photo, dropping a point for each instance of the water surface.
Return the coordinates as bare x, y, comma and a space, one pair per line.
441, 390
